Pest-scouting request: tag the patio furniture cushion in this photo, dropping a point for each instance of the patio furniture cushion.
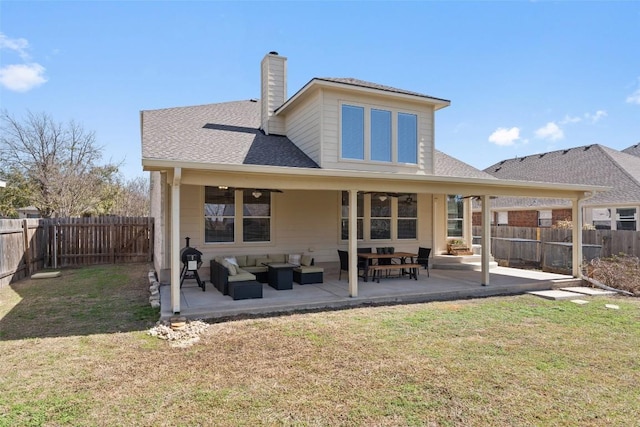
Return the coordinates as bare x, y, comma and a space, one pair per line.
307, 275
294, 259
261, 261
242, 260
306, 260
311, 269
232, 260
242, 276
256, 269
231, 267
251, 260
277, 258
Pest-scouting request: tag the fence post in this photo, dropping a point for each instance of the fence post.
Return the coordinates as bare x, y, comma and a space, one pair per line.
27, 251
113, 242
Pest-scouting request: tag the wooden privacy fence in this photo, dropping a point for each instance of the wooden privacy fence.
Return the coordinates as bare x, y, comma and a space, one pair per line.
611, 242
23, 248
27, 246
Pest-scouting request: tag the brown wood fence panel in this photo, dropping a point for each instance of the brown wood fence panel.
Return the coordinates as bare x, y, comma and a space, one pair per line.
29, 245
612, 242
88, 241
23, 248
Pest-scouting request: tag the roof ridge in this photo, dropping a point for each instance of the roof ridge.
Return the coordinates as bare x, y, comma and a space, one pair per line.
608, 152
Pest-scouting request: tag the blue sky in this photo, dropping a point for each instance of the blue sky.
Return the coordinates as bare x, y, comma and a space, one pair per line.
522, 77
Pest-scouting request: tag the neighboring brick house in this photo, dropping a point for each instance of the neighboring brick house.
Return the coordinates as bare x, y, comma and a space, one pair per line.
591, 164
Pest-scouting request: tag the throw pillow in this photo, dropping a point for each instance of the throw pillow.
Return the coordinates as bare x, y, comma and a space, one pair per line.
306, 260
230, 267
232, 260
294, 259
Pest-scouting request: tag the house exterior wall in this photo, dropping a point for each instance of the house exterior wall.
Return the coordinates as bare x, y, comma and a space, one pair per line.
302, 222
330, 104
303, 127
158, 206
526, 218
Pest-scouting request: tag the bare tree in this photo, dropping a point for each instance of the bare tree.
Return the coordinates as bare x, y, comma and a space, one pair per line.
129, 199
59, 160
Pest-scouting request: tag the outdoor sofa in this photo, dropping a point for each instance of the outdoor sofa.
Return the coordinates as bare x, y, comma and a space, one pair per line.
228, 270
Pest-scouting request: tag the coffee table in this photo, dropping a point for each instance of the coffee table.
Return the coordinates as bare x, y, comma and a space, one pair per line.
280, 275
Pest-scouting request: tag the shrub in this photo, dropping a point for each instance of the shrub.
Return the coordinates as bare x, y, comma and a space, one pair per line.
618, 271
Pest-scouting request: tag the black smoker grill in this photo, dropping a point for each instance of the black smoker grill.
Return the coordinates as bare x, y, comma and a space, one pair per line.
191, 261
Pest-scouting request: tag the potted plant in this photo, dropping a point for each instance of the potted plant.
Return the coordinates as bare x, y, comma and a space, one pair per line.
458, 247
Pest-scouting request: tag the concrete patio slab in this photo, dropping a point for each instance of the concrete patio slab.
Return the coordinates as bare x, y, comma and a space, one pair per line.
442, 285
588, 291
555, 294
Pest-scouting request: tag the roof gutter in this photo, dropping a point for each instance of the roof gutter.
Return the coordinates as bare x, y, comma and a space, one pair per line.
157, 164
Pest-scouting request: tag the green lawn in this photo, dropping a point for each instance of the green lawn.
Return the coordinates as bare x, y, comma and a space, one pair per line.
75, 351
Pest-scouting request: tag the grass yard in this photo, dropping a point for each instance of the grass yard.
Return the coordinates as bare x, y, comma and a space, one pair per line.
75, 351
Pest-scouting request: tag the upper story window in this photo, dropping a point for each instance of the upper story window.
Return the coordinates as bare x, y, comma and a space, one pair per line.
373, 134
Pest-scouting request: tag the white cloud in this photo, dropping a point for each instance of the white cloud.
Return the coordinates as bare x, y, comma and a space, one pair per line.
595, 117
550, 131
19, 46
568, 119
504, 136
634, 98
22, 77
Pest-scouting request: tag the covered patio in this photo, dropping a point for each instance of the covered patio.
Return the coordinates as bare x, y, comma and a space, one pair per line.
440, 285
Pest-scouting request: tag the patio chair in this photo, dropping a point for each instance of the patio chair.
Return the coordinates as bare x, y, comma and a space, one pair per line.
423, 258
344, 263
385, 261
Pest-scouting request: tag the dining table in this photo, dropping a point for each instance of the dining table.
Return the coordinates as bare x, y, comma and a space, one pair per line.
369, 256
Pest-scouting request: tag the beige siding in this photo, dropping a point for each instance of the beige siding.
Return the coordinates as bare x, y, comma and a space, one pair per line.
274, 92
331, 133
302, 222
303, 127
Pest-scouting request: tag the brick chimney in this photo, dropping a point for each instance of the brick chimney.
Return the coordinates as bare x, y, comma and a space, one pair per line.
274, 92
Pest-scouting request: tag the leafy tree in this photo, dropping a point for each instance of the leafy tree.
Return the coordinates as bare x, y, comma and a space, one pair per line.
59, 161
16, 194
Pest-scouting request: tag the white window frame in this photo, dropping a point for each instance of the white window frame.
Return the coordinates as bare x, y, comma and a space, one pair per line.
367, 133
366, 221
238, 218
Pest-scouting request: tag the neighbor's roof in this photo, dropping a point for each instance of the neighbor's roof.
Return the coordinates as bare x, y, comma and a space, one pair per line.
633, 150
446, 165
589, 165
224, 133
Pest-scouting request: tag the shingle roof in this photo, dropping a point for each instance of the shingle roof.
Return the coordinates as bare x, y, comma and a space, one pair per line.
361, 83
224, 133
446, 165
589, 165
633, 150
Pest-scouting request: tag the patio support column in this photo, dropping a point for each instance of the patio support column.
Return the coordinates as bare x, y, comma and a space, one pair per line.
576, 214
486, 239
353, 243
175, 240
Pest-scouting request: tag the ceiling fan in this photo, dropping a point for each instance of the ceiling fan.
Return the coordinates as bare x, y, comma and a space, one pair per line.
256, 192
